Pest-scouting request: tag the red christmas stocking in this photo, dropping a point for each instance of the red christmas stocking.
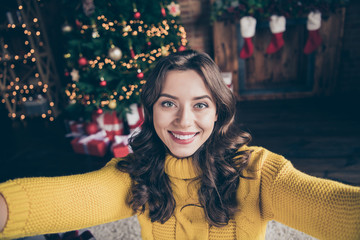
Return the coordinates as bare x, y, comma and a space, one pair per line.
314, 39
247, 27
277, 27
248, 48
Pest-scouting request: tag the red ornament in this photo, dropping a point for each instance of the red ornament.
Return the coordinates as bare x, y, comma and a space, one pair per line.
132, 53
163, 12
91, 128
149, 43
103, 83
137, 15
99, 111
82, 62
78, 23
140, 75
182, 48
66, 73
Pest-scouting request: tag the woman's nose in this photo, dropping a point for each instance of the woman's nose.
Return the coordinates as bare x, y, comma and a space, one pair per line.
185, 117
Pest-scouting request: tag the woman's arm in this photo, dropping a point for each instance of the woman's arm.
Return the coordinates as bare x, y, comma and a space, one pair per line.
58, 204
322, 208
3, 212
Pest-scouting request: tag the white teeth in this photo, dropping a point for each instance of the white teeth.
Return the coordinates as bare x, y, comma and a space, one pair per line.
183, 137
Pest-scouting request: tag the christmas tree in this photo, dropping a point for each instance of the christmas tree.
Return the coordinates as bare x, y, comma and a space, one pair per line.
111, 46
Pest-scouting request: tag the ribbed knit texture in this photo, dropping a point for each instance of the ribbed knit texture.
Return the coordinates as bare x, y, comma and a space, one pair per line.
321, 208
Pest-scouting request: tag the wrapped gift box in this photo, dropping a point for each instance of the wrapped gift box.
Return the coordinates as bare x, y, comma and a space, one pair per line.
120, 147
110, 122
76, 127
135, 117
95, 144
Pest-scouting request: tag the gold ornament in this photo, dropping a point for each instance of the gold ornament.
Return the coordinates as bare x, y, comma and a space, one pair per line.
115, 53
112, 104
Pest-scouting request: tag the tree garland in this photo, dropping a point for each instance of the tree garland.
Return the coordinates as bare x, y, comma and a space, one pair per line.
230, 10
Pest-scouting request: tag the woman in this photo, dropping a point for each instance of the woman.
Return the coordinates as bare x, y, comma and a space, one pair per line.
192, 175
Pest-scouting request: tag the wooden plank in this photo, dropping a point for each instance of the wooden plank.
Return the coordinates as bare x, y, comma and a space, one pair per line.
328, 56
225, 50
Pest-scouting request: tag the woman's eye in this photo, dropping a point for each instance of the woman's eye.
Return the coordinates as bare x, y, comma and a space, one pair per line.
167, 104
201, 105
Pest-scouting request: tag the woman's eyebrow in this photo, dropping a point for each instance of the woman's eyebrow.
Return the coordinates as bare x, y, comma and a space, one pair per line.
201, 97
194, 98
167, 95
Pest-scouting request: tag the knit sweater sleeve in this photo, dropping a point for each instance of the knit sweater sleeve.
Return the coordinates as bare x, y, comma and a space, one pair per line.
58, 204
321, 208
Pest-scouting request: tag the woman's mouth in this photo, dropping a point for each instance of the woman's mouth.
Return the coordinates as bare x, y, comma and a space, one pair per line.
183, 137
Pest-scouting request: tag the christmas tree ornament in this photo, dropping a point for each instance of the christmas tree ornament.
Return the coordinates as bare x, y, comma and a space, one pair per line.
174, 9
247, 29
112, 104
140, 75
78, 24
163, 12
102, 82
137, 15
75, 75
182, 48
115, 53
277, 27
132, 53
88, 7
148, 43
99, 111
66, 28
91, 128
313, 25
82, 61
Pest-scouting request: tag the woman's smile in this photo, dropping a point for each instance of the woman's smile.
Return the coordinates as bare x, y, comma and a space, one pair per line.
183, 137
185, 113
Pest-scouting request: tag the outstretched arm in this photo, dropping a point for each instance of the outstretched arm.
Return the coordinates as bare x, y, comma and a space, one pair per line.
58, 204
3, 212
322, 208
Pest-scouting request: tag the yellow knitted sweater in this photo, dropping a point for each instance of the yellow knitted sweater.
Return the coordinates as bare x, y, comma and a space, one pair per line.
322, 208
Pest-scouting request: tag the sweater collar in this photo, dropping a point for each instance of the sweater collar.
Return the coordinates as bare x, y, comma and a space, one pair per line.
181, 168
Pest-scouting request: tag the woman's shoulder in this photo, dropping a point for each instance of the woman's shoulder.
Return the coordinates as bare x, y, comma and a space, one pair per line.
114, 161
261, 157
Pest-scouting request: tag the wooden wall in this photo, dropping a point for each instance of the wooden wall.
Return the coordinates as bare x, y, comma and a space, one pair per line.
288, 73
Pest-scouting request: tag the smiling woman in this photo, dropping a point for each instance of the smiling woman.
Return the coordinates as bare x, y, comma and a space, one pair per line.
191, 176
184, 119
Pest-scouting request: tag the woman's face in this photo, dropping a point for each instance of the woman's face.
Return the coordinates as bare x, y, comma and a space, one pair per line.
185, 113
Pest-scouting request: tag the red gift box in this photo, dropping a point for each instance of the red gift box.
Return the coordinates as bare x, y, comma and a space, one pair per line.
111, 124
77, 129
135, 117
121, 148
95, 144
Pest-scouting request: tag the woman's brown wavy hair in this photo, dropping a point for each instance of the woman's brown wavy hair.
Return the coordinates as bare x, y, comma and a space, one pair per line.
220, 172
